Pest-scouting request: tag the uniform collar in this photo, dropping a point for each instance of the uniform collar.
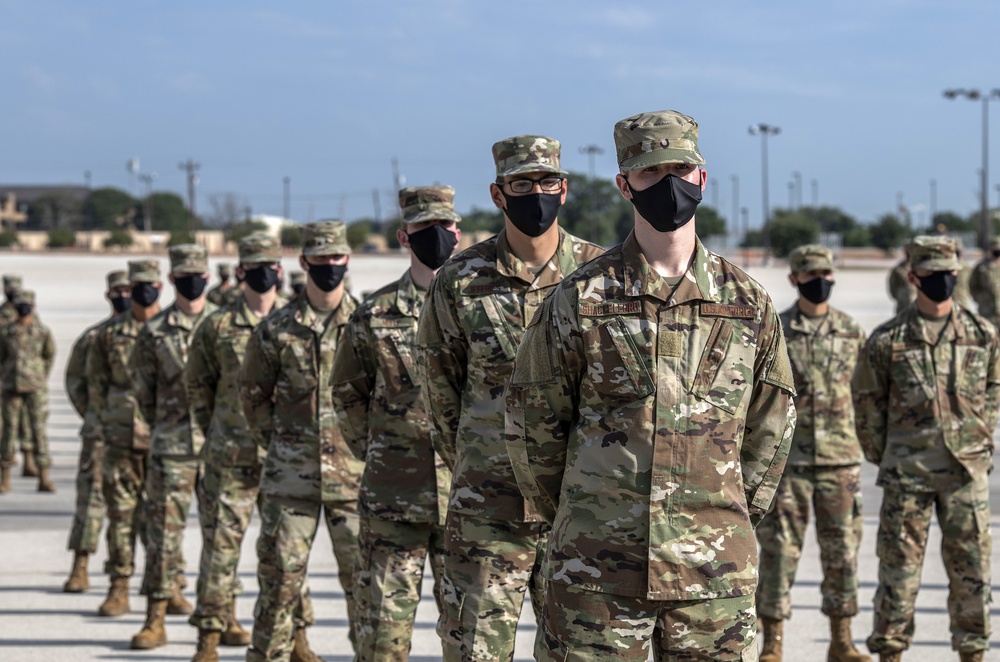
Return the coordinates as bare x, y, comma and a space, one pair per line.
697, 284
307, 317
917, 326
409, 299
562, 262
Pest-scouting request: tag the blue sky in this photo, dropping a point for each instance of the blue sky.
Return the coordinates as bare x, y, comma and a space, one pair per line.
327, 93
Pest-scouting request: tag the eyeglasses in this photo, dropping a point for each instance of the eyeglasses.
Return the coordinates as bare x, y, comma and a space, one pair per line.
549, 184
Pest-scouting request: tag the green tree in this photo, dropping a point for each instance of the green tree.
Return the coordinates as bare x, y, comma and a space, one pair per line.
239, 229
107, 208
8, 239
168, 212
594, 210
791, 230
856, 237
118, 239
889, 233
178, 237
390, 227
476, 220
291, 236
358, 231
61, 238
709, 223
53, 210
952, 222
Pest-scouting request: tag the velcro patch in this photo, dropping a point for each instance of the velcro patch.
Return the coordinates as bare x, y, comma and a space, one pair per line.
492, 288
728, 310
610, 308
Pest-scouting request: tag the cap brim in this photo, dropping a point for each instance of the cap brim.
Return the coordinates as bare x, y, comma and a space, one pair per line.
813, 265
144, 277
531, 167
941, 264
118, 283
189, 270
433, 216
328, 249
259, 257
660, 156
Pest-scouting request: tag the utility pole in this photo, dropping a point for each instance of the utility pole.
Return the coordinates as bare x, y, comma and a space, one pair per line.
765, 130
147, 204
286, 209
86, 178
397, 183
591, 151
377, 203
736, 204
815, 192
746, 236
190, 167
933, 209
132, 165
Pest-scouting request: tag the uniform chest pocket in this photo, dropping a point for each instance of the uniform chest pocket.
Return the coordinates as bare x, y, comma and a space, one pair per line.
907, 373
395, 342
233, 348
171, 355
491, 336
298, 374
725, 370
121, 350
617, 374
973, 362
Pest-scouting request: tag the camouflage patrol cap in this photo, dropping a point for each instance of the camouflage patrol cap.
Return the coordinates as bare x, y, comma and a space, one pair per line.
933, 253
663, 136
259, 247
297, 278
428, 203
810, 257
325, 238
188, 259
24, 296
144, 271
520, 154
12, 282
225, 270
117, 278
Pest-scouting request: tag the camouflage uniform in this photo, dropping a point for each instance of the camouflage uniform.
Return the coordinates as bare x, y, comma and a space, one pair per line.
308, 471
26, 355
984, 284
479, 303
175, 470
648, 419
111, 402
88, 517
926, 410
404, 488
11, 284
297, 282
900, 289
231, 455
225, 292
824, 462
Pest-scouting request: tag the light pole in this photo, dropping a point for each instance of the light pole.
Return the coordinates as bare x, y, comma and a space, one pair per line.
797, 176
985, 231
591, 151
764, 130
736, 204
933, 204
147, 205
815, 192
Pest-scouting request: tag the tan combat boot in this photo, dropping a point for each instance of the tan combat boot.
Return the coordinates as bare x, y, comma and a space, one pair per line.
208, 646
30, 470
116, 604
301, 652
78, 581
841, 647
153, 632
4, 479
772, 640
178, 605
44, 484
234, 634
978, 656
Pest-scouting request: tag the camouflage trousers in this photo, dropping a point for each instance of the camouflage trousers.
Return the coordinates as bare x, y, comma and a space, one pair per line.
583, 625
834, 493
966, 545
288, 528
389, 577
489, 565
172, 482
34, 407
88, 518
123, 476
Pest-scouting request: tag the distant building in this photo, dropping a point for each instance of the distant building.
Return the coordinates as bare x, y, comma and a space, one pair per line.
16, 200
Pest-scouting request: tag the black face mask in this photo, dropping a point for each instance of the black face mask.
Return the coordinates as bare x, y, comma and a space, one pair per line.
996, 253
261, 279
668, 204
817, 290
433, 245
327, 276
299, 288
190, 287
939, 285
534, 213
121, 303
23, 309
145, 294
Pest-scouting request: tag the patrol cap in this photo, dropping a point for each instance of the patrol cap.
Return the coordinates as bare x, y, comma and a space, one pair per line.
325, 238
810, 257
933, 253
144, 271
117, 278
663, 136
225, 270
297, 278
188, 259
259, 247
428, 203
24, 296
12, 282
520, 154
